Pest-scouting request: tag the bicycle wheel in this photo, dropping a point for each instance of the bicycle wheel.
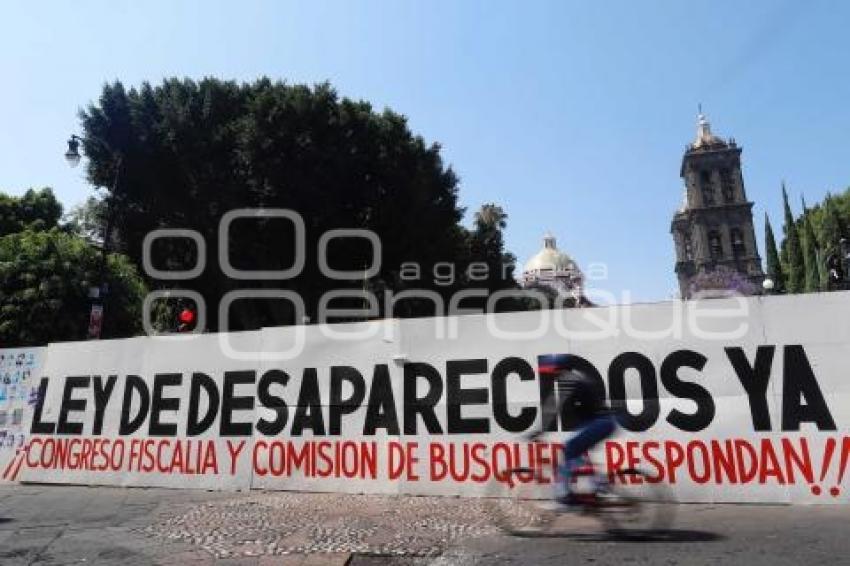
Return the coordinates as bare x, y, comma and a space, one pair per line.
520, 502
635, 506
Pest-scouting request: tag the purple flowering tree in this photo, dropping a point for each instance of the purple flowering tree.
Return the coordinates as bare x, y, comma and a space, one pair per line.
722, 282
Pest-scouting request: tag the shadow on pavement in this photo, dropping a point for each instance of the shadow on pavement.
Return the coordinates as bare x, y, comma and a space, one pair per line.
658, 536
666, 535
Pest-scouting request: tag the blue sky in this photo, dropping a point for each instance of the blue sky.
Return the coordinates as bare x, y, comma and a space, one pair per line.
572, 116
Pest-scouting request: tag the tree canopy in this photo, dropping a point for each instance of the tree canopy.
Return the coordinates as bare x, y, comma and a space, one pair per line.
192, 151
792, 251
45, 278
774, 267
810, 241
46, 269
811, 254
35, 210
88, 219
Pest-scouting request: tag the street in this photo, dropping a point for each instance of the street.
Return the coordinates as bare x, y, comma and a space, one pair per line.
103, 525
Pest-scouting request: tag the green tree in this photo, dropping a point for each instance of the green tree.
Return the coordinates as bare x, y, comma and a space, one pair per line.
35, 210
792, 251
485, 264
828, 221
487, 245
45, 278
811, 255
193, 151
832, 227
774, 267
88, 219
491, 217
842, 203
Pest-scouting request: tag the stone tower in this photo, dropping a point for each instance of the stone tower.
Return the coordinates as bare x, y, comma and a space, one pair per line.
713, 228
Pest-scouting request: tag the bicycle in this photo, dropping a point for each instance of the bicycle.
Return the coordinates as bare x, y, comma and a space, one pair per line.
632, 504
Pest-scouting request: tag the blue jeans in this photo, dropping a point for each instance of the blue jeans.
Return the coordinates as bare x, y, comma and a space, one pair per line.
588, 435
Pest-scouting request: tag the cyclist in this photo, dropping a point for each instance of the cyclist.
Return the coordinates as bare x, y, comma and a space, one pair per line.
584, 400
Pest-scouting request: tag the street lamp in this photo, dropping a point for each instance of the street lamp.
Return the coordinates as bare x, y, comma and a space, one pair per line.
97, 294
767, 285
72, 156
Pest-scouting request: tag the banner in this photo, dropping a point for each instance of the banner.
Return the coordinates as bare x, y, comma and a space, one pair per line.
723, 400
19, 368
119, 412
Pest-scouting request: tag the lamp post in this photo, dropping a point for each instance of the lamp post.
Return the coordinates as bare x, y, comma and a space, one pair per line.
72, 156
97, 294
767, 285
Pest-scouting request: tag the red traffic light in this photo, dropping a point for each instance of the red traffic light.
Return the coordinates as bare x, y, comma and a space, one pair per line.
187, 316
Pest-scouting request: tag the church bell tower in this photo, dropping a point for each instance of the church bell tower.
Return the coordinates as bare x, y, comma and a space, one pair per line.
713, 228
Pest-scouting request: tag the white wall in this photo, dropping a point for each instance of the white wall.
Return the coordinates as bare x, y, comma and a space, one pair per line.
704, 414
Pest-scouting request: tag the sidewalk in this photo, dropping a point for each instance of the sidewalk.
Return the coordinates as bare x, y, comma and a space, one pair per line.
283, 523
93, 525
64, 525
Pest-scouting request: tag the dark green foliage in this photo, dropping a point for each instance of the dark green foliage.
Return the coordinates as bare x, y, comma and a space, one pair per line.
774, 267
192, 151
792, 251
817, 233
830, 221
45, 274
811, 254
45, 278
35, 210
487, 245
834, 226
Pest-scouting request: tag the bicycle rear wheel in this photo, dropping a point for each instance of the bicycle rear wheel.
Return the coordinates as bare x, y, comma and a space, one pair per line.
635, 506
520, 502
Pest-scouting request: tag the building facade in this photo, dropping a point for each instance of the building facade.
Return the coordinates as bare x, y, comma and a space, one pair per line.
713, 228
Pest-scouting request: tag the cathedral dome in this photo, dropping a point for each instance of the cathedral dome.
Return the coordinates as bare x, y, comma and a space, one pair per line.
554, 269
550, 258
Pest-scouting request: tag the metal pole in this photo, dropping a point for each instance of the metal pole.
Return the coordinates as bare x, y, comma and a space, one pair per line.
96, 315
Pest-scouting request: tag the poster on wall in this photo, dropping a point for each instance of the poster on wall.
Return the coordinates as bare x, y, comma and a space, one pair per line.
19, 370
722, 400
725, 402
144, 412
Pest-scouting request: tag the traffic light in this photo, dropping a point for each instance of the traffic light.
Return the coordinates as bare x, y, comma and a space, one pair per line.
186, 320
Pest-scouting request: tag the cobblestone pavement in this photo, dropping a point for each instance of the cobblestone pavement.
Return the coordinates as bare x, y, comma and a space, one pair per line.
280, 523
64, 525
